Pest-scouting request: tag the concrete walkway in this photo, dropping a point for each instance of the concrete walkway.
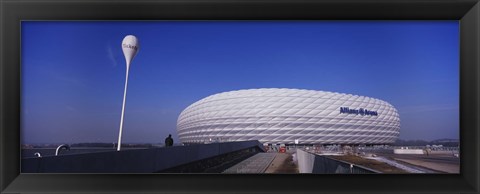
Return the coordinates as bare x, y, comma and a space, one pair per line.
255, 164
282, 164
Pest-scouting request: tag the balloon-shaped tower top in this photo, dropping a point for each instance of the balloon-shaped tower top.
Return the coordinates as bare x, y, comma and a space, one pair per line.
130, 46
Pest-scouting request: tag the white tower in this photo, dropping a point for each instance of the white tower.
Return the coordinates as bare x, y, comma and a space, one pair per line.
130, 48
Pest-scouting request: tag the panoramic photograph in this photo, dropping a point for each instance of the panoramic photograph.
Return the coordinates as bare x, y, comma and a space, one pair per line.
240, 97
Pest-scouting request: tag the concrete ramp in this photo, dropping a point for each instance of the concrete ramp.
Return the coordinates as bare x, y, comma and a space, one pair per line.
197, 157
255, 164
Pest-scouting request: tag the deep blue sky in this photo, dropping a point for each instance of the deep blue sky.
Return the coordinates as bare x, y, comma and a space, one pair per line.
73, 73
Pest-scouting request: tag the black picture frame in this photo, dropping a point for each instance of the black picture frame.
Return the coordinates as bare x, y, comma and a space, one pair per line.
12, 12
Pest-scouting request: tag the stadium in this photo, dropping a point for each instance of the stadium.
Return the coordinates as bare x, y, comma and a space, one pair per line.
289, 116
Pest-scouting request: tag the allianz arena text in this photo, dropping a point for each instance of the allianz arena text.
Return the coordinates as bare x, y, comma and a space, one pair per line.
289, 116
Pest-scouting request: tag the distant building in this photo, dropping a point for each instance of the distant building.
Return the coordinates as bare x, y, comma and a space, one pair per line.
283, 116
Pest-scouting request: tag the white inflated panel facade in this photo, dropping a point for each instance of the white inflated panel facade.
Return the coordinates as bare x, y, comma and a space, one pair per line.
277, 116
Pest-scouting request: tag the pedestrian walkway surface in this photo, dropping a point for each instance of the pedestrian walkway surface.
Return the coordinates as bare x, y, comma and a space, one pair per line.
282, 164
258, 163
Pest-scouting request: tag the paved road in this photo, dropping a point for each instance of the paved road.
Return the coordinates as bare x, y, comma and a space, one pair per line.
438, 162
425, 158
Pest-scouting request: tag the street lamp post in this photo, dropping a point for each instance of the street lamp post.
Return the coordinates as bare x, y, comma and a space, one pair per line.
130, 48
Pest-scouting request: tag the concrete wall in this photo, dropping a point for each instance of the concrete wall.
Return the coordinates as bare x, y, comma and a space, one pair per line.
305, 161
132, 161
408, 151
